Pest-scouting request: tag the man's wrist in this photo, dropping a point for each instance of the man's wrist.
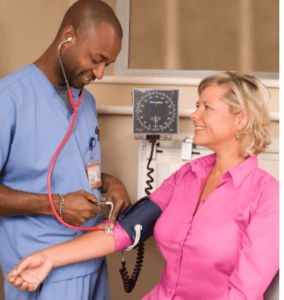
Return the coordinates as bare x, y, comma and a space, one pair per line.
46, 209
61, 205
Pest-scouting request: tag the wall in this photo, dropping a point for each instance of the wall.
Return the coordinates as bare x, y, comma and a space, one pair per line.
27, 27
26, 31
239, 35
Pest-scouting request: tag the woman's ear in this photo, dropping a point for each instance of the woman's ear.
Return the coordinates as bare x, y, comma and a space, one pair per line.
242, 120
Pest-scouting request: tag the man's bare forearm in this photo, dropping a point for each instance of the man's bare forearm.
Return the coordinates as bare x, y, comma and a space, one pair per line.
108, 180
15, 203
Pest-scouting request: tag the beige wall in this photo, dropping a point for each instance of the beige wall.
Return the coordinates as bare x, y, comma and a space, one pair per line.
205, 35
26, 30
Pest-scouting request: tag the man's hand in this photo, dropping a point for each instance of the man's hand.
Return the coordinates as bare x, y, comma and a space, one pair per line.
117, 194
31, 271
78, 207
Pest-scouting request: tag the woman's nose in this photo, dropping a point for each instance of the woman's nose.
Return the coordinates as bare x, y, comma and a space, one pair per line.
194, 115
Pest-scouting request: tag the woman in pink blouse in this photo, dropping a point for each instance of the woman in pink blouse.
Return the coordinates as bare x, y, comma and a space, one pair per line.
219, 228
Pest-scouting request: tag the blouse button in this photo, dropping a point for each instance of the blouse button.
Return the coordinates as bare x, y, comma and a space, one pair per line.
170, 292
176, 269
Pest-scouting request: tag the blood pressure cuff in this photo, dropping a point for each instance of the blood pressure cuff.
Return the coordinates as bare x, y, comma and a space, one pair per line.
144, 212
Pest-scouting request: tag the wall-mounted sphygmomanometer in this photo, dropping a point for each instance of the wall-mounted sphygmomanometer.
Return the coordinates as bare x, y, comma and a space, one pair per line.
155, 111
155, 116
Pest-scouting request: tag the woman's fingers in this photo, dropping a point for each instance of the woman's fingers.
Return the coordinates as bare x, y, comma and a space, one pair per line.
18, 281
24, 286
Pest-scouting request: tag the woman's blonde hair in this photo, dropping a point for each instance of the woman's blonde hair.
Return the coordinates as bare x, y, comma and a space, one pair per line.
246, 94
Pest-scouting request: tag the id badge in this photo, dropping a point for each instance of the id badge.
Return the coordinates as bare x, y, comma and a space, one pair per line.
94, 174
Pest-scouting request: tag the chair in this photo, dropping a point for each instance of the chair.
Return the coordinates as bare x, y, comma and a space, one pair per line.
272, 292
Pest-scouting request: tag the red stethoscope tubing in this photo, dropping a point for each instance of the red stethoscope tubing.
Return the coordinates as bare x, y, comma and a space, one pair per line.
75, 106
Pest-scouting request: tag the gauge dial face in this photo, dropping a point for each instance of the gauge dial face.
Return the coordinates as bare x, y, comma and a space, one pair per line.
155, 111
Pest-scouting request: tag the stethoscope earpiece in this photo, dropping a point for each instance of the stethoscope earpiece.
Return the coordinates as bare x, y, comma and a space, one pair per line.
59, 56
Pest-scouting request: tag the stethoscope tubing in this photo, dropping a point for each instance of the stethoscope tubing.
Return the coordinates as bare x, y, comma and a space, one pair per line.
75, 106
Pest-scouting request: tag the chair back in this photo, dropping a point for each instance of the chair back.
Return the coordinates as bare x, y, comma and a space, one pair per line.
272, 292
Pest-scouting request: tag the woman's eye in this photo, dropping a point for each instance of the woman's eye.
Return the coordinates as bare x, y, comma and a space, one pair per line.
207, 107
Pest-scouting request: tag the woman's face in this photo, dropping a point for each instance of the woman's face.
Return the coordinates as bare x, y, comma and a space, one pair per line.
215, 126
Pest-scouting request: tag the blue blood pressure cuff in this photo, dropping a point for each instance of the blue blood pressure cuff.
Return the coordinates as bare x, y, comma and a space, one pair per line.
144, 212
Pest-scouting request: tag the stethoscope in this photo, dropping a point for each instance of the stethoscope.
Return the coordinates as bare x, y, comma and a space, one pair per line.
75, 106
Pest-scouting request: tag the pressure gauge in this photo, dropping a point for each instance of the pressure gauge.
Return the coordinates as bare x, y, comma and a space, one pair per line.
155, 111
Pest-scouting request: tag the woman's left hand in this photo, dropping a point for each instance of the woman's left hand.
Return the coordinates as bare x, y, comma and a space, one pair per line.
31, 271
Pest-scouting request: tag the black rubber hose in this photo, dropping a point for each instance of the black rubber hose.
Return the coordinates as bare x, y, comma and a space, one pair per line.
151, 170
130, 282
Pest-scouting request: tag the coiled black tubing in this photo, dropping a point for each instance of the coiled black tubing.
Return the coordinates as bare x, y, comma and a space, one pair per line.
130, 282
150, 170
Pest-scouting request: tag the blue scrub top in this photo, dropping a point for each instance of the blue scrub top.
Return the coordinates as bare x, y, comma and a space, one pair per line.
33, 122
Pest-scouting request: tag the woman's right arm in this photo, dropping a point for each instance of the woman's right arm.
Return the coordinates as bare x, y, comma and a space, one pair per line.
258, 258
33, 269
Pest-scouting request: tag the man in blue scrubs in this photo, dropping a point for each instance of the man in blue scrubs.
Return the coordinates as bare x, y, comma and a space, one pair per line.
35, 114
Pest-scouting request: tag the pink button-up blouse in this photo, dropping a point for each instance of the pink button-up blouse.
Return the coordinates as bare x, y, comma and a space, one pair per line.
230, 248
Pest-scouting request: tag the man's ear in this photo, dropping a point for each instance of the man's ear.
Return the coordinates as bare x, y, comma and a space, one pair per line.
69, 34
